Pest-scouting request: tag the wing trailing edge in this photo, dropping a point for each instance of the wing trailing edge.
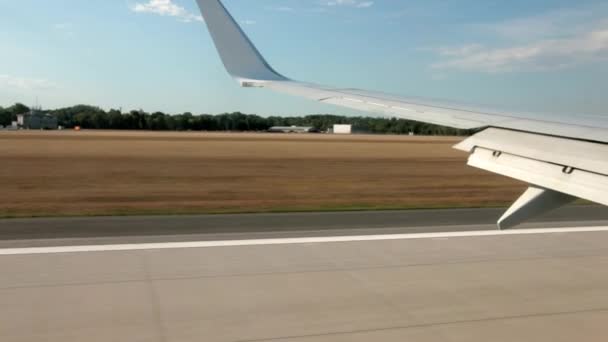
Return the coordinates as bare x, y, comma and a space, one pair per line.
558, 170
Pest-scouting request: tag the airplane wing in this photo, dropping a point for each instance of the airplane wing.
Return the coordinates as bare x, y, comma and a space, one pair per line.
562, 158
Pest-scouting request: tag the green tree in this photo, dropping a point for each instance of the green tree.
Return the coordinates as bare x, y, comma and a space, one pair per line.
19, 108
96, 118
5, 117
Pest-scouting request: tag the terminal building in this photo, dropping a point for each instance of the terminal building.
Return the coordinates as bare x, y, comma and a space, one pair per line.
36, 119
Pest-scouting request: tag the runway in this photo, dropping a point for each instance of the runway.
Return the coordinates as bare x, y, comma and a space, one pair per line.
151, 229
448, 283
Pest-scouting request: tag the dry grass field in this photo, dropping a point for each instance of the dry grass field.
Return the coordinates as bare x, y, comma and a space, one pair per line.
112, 173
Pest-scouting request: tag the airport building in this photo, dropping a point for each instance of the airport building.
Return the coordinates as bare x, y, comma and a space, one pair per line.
291, 129
343, 129
36, 119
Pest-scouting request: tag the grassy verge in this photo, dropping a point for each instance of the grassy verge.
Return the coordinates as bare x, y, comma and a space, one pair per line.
59, 174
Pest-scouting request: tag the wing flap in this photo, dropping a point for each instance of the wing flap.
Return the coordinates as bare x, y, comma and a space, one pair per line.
576, 154
572, 167
579, 183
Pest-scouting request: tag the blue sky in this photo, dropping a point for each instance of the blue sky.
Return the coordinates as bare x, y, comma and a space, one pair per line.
535, 55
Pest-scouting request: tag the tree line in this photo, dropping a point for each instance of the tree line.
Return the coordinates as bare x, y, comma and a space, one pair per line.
91, 117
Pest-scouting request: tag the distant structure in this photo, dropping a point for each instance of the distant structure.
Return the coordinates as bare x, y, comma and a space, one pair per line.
36, 119
343, 129
292, 129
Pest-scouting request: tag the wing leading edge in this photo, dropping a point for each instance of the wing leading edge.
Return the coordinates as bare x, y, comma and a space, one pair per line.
552, 133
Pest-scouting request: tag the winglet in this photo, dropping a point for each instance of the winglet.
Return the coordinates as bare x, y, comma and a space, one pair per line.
240, 57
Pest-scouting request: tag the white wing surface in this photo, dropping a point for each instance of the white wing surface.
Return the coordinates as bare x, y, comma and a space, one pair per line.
562, 158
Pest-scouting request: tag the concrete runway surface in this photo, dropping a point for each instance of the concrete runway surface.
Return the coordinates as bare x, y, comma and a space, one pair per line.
547, 286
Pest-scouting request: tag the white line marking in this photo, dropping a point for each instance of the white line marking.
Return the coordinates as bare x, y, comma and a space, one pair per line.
287, 241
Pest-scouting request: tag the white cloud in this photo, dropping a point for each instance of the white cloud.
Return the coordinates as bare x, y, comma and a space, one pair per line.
22, 83
549, 41
350, 3
323, 6
166, 8
555, 23
65, 29
458, 51
546, 54
282, 9
62, 26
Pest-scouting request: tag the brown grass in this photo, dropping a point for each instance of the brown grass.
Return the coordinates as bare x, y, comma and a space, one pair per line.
109, 173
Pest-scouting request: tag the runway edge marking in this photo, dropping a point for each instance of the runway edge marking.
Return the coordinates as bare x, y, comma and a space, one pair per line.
287, 241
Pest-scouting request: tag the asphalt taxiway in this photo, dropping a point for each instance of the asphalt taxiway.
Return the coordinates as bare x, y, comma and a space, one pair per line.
146, 229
